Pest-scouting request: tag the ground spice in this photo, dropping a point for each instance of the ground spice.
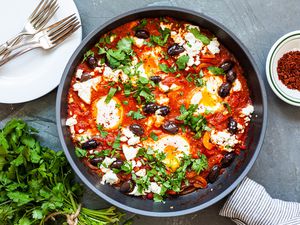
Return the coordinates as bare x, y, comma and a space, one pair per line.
288, 69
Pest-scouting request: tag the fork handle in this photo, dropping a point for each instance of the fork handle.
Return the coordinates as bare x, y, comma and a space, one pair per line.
12, 41
21, 52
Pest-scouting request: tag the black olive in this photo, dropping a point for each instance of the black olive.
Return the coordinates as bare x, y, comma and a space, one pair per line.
213, 174
155, 79
85, 77
230, 76
170, 127
232, 125
92, 62
136, 129
96, 161
175, 49
224, 89
163, 110
150, 108
126, 186
227, 159
142, 34
226, 65
117, 164
90, 144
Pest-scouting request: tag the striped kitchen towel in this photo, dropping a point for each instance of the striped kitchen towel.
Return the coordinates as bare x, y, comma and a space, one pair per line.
250, 204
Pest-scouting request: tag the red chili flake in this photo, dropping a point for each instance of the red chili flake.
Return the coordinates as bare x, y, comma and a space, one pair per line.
288, 69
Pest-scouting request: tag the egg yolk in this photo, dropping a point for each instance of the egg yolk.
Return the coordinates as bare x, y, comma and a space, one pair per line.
208, 99
171, 160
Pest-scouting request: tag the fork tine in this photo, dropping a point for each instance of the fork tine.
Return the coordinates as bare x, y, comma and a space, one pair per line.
66, 35
62, 26
52, 26
63, 31
47, 17
36, 9
43, 13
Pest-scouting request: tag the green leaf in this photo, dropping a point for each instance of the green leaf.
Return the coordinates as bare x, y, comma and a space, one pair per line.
125, 45
80, 153
88, 54
117, 142
136, 115
166, 69
161, 40
227, 106
205, 40
141, 24
37, 214
103, 133
216, 70
153, 136
143, 80
19, 197
24, 221
200, 164
110, 94
182, 61
157, 198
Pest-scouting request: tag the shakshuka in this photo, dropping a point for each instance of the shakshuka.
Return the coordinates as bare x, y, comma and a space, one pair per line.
158, 107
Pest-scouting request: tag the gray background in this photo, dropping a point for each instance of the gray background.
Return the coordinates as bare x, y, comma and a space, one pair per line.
258, 24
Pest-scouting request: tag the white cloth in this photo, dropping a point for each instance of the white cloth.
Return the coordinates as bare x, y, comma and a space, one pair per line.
250, 204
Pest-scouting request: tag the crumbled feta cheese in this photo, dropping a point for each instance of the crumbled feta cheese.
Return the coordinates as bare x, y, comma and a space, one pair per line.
164, 26
177, 38
237, 86
84, 137
154, 187
80, 131
162, 87
79, 73
138, 164
224, 139
136, 192
84, 88
123, 138
139, 42
134, 140
106, 163
127, 132
98, 69
110, 177
129, 152
162, 99
240, 128
71, 121
111, 75
174, 87
141, 173
213, 46
193, 48
248, 110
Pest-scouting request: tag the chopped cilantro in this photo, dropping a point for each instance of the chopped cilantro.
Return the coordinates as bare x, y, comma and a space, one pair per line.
88, 54
80, 153
205, 40
103, 133
110, 94
141, 25
116, 144
153, 136
196, 123
227, 106
215, 70
200, 164
161, 40
136, 115
182, 61
125, 102
167, 69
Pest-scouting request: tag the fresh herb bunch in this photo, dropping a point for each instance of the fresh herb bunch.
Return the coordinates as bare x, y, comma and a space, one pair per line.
36, 183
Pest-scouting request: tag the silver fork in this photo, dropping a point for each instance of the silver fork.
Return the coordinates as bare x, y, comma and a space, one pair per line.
47, 38
37, 20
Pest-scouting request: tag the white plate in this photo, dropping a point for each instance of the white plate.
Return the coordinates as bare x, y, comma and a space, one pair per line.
288, 42
36, 73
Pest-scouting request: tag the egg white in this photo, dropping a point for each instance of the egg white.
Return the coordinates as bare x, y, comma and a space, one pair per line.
108, 115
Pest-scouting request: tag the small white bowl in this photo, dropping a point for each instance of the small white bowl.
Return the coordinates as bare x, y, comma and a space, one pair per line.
288, 42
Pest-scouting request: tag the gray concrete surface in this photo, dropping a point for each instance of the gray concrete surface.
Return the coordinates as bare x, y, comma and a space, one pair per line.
258, 24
